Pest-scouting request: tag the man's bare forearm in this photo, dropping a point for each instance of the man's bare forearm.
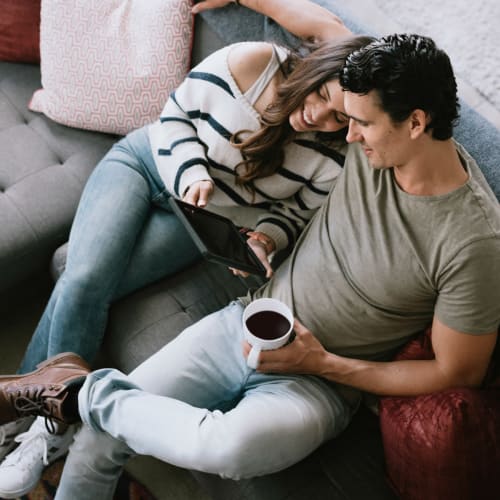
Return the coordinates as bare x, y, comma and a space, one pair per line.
401, 378
394, 378
460, 361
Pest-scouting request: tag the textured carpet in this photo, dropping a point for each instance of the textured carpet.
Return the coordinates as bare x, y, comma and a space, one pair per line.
467, 29
127, 489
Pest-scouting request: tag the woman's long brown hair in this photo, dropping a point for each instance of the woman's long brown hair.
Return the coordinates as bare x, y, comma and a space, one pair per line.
263, 150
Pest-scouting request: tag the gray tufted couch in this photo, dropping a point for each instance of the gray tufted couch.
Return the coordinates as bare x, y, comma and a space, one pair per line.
43, 168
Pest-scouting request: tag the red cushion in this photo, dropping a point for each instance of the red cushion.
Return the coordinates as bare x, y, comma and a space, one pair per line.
443, 445
20, 30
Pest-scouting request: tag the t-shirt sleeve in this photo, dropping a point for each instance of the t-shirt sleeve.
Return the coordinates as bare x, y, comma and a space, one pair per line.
469, 289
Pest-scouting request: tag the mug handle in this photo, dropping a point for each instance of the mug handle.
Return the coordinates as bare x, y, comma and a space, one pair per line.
253, 357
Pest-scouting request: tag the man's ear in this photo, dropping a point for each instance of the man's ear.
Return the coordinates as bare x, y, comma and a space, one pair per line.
418, 122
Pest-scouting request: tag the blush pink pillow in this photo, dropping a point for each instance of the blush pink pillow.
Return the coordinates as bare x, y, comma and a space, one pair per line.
109, 65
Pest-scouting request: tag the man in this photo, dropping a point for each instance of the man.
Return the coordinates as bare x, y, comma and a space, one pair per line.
409, 236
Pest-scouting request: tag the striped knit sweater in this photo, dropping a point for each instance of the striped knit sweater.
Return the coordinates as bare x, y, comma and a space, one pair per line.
191, 142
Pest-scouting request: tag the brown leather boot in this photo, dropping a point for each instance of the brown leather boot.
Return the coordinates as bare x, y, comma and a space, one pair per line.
50, 391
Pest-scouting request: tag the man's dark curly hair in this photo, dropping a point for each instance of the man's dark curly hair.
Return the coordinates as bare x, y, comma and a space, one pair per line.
407, 72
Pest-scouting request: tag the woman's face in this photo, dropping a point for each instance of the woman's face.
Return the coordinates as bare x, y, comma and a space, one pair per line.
322, 110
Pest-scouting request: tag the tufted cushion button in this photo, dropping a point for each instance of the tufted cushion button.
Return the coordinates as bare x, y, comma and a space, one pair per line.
43, 168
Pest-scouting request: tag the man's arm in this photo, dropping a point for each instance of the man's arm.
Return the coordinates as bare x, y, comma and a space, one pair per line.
461, 360
302, 18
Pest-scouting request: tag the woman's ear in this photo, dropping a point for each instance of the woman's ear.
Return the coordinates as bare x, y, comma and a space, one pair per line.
418, 122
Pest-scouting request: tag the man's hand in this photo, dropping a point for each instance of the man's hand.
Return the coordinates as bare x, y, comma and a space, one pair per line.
209, 4
199, 193
304, 355
262, 246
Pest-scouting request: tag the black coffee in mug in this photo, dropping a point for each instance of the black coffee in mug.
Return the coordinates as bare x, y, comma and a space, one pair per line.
268, 325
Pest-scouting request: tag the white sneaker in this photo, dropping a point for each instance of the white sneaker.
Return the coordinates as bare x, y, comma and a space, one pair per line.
22, 469
9, 431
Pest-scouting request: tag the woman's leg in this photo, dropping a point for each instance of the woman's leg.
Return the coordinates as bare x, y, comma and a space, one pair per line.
116, 229
274, 421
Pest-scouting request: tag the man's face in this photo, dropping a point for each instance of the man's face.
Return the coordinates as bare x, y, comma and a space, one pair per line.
385, 143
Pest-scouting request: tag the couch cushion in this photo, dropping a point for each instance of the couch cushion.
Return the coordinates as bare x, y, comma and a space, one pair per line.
43, 167
110, 65
144, 321
351, 466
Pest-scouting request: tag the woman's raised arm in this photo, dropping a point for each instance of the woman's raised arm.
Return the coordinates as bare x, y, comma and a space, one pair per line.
302, 18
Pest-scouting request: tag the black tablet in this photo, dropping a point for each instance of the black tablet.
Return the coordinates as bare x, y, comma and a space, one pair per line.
217, 238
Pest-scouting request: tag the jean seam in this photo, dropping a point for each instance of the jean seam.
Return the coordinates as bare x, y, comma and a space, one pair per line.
161, 197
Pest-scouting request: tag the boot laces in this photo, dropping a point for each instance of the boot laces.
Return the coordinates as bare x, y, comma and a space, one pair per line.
34, 403
26, 453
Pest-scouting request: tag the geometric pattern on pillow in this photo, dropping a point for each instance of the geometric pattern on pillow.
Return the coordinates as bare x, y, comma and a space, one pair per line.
445, 444
109, 65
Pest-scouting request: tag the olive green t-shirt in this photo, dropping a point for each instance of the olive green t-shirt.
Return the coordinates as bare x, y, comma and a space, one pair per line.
375, 263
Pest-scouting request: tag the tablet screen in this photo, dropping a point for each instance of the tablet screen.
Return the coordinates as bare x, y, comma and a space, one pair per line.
218, 238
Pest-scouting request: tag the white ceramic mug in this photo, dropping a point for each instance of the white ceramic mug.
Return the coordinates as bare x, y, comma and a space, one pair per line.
266, 332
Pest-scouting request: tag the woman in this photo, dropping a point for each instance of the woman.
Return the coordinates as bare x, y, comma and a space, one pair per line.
241, 131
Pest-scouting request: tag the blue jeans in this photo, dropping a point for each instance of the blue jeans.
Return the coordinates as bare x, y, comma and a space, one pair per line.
195, 404
124, 236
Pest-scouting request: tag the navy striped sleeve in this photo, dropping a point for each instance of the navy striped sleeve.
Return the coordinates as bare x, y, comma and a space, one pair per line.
165, 119
210, 77
197, 114
236, 197
322, 149
299, 178
187, 164
168, 152
271, 220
